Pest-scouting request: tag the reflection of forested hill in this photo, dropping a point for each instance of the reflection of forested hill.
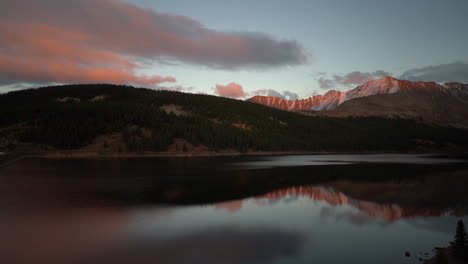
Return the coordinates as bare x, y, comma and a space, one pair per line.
416, 189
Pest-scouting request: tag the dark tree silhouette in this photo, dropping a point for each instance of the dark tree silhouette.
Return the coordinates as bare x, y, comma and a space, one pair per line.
461, 241
140, 117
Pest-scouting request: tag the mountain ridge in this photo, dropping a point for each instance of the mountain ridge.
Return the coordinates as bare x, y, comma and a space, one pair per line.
386, 85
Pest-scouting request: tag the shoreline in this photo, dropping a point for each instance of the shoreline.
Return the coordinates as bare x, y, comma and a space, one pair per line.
77, 154
446, 253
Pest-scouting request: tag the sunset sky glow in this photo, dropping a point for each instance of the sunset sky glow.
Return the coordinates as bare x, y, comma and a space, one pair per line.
291, 49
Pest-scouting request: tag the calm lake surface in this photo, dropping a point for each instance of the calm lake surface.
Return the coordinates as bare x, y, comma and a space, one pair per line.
280, 209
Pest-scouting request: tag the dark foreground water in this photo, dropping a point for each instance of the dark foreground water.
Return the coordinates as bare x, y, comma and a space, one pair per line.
288, 209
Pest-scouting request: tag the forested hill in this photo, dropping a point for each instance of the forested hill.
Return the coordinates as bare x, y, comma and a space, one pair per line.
72, 116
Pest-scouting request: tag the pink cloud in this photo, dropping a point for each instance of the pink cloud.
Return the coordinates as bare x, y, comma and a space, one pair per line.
233, 90
42, 53
110, 40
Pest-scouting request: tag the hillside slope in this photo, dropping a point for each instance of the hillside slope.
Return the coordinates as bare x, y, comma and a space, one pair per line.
74, 116
430, 107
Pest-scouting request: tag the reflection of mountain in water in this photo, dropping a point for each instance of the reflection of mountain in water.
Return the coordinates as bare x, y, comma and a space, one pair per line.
387, 212
231, 206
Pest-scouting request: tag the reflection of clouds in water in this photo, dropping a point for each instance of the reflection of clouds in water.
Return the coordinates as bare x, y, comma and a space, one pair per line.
290, 199
317, 160
58, 236
266, 201
215, 245
236, 206
104, 237
444, 224
347, 214
159, 214
272, 201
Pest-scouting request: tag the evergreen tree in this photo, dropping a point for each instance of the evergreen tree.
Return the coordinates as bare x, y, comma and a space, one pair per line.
461, 240
137, 113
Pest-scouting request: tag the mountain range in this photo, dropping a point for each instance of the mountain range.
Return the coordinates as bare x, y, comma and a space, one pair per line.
445, 104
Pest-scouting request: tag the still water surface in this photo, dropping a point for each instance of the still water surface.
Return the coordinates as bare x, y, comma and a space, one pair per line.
282, 209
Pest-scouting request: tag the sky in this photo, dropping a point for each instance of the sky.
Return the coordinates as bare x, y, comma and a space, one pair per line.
291, 49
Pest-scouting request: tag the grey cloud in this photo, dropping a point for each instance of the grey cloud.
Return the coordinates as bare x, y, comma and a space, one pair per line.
271, 92
268, 92
451, 72
351, 79
326, 84
290, 95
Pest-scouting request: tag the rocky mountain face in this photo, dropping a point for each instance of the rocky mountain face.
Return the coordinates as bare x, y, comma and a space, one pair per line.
385, 85
328, 101
430, 102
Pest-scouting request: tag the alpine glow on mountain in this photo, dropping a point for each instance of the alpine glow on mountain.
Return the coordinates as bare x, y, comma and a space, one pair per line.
385, 85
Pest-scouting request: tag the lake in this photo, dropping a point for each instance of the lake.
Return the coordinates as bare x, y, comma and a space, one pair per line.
238, 209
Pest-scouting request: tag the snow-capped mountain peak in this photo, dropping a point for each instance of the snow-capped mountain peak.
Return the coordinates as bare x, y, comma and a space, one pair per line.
333, 98
385, 85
